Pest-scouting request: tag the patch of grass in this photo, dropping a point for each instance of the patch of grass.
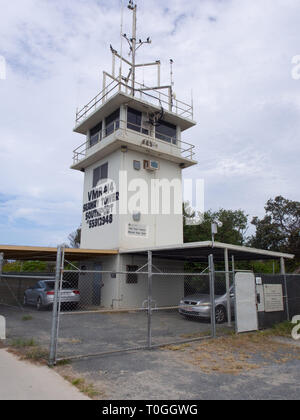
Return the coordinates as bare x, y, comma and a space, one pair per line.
226, 331
28, 349
77, 382
21, 343
63, 362
84, 387
234, 354
177, 347
284, 329
196, 335
37, 354
27, 318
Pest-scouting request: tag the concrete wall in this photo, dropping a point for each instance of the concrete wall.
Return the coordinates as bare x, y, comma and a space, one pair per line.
162, 229
166, 290
117, 293
107, 236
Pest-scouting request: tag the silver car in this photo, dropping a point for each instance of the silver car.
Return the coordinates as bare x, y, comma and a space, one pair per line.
42, 294
198, 305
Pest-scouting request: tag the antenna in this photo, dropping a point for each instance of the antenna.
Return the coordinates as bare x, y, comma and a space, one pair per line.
134, 45
121, 37
171, 72
171, 95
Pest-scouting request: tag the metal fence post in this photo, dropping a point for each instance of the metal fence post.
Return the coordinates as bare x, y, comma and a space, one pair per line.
1, 263
52, 354
282, 269
212, 295
149, 299
286, 298
62, 262
227, 287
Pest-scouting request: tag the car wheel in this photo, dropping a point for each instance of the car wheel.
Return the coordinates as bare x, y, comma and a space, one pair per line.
39, 304
220, 315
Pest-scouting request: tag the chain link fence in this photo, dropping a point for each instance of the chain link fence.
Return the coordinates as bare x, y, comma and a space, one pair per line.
93, 318
79, 313
290, 284
27, 324
104, 312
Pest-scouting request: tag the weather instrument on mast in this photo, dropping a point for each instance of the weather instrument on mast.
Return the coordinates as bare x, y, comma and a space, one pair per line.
129, 82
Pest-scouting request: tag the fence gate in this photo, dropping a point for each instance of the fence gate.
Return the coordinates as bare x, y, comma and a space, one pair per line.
99, 312
246, 304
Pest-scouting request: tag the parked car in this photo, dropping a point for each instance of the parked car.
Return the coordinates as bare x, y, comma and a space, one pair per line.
198, 306
42, 294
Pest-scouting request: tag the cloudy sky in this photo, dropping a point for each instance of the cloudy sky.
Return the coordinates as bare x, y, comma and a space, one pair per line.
236, 56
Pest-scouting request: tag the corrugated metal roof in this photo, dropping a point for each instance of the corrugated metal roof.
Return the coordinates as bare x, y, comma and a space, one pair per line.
199, 251
12, 252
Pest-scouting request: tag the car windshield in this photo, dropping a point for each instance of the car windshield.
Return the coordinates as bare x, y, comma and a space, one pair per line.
196, 285
220, 290
50, 285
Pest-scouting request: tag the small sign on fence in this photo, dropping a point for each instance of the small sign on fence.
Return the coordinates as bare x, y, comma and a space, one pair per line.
273, 298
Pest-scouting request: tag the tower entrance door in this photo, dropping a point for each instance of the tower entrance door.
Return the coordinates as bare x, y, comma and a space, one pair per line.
97, 284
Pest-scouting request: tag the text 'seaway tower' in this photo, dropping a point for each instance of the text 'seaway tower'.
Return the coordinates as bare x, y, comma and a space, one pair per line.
133, 158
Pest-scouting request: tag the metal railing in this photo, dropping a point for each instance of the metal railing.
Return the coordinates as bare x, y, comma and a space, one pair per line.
154, 95
177, 147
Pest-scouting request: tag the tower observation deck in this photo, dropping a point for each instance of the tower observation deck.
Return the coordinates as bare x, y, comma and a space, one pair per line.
128, 113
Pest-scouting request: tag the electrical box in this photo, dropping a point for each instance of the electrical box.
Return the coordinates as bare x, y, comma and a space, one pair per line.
260, 298
151, 165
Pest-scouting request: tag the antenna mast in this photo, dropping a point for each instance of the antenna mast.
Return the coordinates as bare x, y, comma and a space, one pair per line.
133, 7
133, 44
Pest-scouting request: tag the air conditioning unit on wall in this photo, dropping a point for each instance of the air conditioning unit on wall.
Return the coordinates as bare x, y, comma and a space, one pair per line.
151, 165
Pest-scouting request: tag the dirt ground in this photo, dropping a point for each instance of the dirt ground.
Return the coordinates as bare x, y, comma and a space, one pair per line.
250, 366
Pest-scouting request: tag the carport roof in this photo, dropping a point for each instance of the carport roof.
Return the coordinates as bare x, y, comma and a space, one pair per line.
194, 251
199, 252
49, 254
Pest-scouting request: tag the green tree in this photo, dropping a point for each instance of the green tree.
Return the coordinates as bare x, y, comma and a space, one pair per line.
27, 266
279, 230
233, 230
75, 238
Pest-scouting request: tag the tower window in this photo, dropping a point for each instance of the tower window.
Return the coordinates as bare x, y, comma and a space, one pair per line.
96, 134
134, 119
112, 122
132, 276
100, 174
166, 132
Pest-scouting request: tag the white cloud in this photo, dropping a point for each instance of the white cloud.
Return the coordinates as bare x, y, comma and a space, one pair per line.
235, 54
